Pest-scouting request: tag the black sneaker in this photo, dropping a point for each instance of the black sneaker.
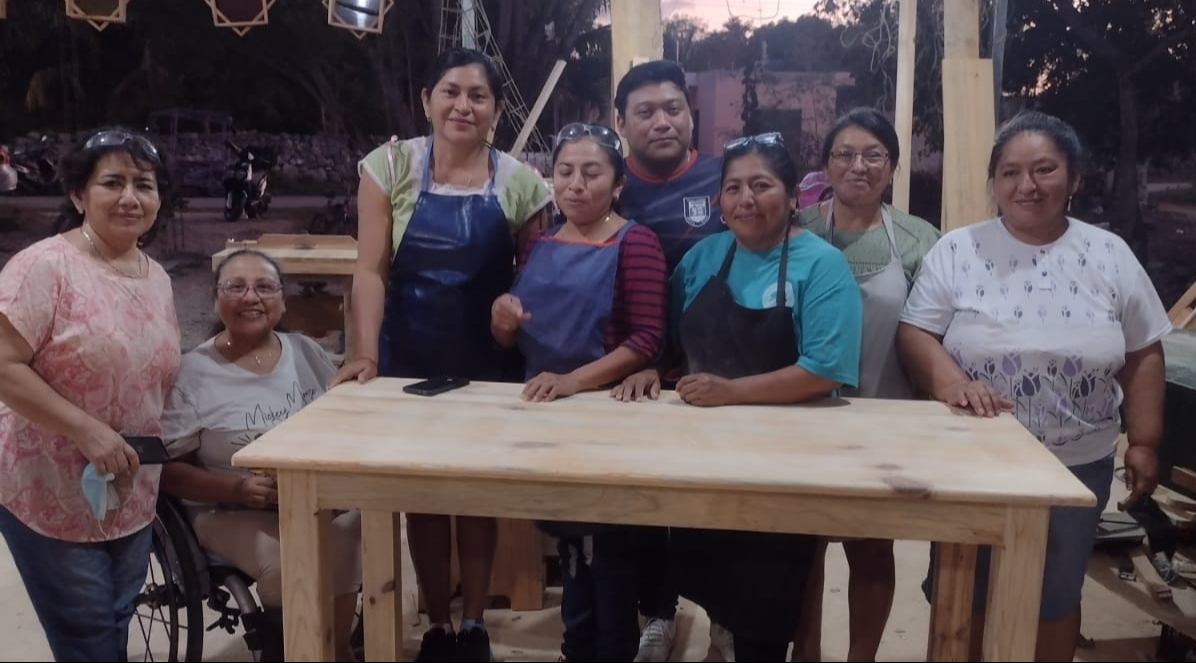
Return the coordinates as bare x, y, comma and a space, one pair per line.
473, 645
437, 647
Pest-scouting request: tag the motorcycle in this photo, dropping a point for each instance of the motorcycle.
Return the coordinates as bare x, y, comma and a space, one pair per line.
37, 169
243, 194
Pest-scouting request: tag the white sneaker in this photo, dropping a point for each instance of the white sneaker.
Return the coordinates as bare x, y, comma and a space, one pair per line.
656, 640
722, 642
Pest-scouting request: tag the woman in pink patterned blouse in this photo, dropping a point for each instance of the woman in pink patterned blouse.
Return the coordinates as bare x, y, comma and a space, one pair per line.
89, 346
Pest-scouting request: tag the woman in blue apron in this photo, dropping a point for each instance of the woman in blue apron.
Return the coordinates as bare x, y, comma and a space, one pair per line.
440, 220
768, 314
884, 247
587, 310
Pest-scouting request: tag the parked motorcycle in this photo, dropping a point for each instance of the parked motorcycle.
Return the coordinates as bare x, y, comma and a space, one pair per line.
37, 169
246, 183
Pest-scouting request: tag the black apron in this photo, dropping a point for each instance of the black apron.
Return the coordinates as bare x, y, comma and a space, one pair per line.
751, 583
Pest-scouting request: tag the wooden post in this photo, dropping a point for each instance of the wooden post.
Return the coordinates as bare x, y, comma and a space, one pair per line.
968, 116
907, 30
537, 108
635, 32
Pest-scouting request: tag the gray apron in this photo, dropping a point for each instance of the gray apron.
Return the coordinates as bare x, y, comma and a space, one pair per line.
884, 292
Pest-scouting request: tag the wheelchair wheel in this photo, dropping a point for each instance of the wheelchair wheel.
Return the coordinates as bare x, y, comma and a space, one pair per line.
167, 622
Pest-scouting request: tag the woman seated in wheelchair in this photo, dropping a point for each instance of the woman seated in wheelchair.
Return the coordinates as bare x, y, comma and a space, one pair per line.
231, 389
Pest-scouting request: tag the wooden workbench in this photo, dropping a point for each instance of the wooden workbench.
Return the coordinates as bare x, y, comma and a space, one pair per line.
890, 469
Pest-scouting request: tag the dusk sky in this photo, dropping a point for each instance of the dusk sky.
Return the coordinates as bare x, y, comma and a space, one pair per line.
716, 12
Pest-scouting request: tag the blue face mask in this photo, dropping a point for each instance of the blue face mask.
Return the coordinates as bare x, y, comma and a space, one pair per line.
99, 491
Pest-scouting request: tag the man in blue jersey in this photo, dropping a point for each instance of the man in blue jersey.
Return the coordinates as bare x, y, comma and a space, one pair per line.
673, 190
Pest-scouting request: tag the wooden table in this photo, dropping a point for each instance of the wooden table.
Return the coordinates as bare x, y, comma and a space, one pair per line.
892, 469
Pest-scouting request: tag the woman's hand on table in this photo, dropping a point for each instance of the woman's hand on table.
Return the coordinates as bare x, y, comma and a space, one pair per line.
257, 492
1141, 473
706, 390
362, 369
547, 387
976, 395
644, 384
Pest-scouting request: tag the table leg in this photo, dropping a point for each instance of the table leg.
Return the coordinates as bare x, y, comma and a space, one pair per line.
1015, 586
951, 602
306, 583
348, 313
382, 585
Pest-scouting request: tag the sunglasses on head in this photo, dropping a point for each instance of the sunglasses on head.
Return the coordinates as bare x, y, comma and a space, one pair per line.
599, 133
116, 138
770, 138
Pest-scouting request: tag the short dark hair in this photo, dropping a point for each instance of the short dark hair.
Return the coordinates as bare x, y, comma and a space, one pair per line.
218, 325
77, 166
454, 57
870, 120
776, 155
647, 73
1061, 133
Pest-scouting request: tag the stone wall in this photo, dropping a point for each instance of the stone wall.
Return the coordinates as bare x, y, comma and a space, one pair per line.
304, 164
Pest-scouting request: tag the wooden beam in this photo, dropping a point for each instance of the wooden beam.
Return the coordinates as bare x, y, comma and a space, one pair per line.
538, 107
968, 125
907, 30
961, 29
635, 32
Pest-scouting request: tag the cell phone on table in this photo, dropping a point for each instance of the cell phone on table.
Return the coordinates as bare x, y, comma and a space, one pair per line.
150, 450
435, 386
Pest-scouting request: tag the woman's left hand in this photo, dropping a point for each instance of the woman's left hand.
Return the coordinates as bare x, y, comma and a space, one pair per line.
706, 390
1141, 473
549, 387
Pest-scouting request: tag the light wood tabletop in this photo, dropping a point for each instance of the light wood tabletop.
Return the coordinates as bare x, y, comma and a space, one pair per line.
886, 469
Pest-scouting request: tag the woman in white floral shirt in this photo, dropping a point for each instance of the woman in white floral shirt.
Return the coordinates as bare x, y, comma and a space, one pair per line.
89, 346
1054, 320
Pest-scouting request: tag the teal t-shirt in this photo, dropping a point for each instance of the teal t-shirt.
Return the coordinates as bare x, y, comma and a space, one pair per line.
820, 288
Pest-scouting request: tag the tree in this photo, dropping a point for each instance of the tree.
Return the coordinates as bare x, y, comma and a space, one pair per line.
1075, 55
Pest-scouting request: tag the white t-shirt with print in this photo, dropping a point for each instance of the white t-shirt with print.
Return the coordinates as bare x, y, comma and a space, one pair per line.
1048, 326
216, 408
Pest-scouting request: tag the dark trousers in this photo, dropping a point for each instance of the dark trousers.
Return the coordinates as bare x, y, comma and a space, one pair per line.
599, 595
657, 591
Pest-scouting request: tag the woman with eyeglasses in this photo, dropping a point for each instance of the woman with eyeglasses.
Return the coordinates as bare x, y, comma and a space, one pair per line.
884, 247
234, 387
586, 310
441, 221
89, 346
765, 314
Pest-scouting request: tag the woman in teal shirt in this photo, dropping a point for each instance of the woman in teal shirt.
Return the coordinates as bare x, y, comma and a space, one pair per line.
764, 314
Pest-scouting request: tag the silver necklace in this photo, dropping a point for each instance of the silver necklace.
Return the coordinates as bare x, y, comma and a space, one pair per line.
257, 359
140, 271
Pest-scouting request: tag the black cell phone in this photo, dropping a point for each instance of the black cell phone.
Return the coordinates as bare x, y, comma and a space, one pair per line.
435, 386
150, 450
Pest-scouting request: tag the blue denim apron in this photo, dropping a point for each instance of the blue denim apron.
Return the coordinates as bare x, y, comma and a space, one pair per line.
456, 256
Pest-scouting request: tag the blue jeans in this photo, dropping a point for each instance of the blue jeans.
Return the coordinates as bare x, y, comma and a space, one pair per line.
82, 592
1070, 538
598, 595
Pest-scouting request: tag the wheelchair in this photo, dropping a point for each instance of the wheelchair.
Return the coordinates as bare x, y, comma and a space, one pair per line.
168, 616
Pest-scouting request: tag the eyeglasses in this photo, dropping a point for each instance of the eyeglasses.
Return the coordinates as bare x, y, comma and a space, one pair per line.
770, 138
116, 138
598, 132
846, 158
236, 289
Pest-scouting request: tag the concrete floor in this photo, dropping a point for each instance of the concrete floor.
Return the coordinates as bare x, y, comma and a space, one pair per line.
1113, 617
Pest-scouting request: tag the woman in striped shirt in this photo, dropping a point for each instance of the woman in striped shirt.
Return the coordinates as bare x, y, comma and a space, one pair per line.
587, 310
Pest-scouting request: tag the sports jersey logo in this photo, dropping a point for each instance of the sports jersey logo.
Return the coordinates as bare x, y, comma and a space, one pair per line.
697, 210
